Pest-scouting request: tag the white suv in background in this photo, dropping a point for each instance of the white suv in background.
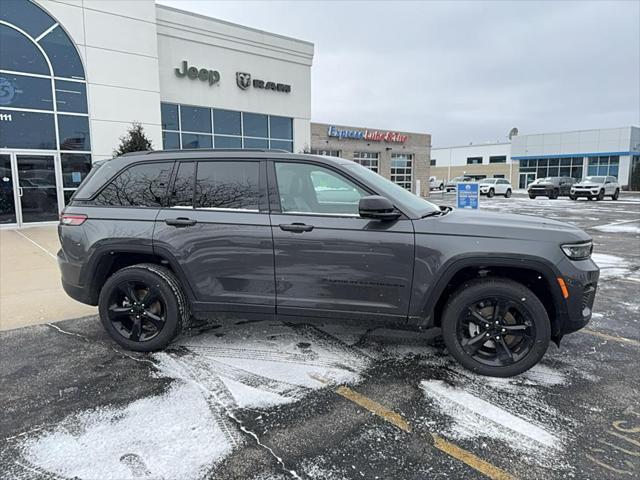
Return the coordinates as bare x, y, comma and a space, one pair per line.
596, 187
435, 184
495, 186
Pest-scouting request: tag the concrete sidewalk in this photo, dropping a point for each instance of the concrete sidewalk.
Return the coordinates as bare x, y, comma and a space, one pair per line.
30, 289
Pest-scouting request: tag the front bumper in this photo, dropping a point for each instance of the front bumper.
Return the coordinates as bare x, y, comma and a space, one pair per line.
545, 192
585, 192
581, 279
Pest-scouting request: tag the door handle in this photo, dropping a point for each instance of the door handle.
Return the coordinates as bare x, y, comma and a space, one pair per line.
20, 191
296, 227
180, 222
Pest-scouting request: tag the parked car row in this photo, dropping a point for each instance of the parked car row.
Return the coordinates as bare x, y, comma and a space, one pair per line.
592, 187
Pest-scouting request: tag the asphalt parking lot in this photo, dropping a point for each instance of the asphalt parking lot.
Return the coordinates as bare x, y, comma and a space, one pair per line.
267, 400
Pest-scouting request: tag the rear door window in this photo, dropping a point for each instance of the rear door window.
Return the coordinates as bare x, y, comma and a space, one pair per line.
142, 185
228, 185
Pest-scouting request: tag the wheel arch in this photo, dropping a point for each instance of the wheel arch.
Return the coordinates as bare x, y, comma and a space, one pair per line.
110, 258
539, 275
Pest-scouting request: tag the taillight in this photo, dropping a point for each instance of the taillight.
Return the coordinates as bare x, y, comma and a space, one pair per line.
72, 219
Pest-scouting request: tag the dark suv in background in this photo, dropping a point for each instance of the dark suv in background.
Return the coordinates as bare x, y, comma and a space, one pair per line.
552, 187
156, 237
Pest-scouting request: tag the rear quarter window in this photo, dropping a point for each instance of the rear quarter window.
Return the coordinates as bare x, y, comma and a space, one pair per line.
143, 185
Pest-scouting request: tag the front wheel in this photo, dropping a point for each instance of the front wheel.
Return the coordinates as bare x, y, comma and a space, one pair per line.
507, 194
495, 327
531, 195
491, 193
441, 187
616, 195
573, 197
554, 195
600, 195
143, 307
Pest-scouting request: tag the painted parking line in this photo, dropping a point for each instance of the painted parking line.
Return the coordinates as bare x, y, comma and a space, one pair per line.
468, 458
615, 338
36, 244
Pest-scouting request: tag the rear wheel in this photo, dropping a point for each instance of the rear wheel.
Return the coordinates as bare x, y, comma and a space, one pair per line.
495, 327
616, 195
507, 194
600, 195
491, 193
143, 307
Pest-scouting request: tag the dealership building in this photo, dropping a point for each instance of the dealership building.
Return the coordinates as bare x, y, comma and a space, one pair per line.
75, 75
577, 154
402, 157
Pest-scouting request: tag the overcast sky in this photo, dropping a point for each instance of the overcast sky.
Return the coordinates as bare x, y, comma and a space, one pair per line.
462, 71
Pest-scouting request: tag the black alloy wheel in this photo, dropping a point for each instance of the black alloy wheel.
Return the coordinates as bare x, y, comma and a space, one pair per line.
137, 311
554, 194
143, 307
495, 327
531, 195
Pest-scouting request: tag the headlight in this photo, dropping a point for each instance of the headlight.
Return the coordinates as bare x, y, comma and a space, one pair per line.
578, 251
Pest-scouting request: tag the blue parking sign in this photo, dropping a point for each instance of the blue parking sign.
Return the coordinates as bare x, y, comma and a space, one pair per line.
467, 195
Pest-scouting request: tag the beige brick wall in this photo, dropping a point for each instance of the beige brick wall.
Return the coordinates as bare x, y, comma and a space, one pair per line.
417, 144
510, 171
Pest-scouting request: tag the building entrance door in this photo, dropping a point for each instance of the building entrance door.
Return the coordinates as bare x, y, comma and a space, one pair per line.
28, 188
526, 179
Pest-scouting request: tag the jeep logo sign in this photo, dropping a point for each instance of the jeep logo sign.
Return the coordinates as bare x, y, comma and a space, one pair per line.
211, 76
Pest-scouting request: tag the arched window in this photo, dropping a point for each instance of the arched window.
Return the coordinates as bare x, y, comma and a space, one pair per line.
43, 93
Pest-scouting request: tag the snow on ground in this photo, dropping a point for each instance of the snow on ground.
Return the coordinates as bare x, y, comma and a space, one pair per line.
632, 226
136, 441
611, 266
256, 365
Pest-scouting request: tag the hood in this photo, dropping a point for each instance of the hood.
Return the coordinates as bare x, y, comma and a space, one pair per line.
587, 183
471, 223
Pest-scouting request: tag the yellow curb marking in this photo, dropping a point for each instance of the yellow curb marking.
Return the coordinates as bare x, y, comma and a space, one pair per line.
614, 338
440, 443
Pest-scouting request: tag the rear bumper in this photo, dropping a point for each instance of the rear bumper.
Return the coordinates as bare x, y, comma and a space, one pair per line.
70, 274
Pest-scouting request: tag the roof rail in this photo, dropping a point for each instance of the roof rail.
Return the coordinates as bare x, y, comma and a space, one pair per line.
204, 150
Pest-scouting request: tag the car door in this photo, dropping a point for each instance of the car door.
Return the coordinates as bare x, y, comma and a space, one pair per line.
216, 228
329, 262
500, 189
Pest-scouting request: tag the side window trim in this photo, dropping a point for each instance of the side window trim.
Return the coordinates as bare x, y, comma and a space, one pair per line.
171, 189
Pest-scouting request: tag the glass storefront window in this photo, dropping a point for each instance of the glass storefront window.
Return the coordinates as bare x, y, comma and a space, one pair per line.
169, 115
195, 119
27, 130
71, 96
193, 140
226, 122
255, 125
256, 143
75, 166
401, 171
228, 142
281, 127
62, 54
25, 15
170, 140
19, 54
74, 132
22, 91
282, 145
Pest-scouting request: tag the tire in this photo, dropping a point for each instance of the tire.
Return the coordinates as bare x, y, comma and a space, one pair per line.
600, 195
573, 197
507, 194
441, 187
616, 195
554, 195
171, 309
531, 195
491, 193
589, 198
523, 309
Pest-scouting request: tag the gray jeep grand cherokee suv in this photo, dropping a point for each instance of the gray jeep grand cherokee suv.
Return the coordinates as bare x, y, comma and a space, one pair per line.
155, 237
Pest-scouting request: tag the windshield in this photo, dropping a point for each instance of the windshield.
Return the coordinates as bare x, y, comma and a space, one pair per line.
392, 191
595, 179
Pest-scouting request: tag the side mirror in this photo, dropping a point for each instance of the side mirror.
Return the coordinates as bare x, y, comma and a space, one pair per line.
378, 208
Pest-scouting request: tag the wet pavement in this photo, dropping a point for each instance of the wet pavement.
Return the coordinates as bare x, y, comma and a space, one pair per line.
267, 400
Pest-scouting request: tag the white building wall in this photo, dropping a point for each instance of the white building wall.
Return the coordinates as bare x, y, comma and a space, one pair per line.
118, 44
457, 156
228, 48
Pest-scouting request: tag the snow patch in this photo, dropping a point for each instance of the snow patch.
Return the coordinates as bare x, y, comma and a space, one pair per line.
632, 226
611, 266
170, 436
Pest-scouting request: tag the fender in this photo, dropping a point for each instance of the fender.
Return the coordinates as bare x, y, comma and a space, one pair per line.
422, 313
